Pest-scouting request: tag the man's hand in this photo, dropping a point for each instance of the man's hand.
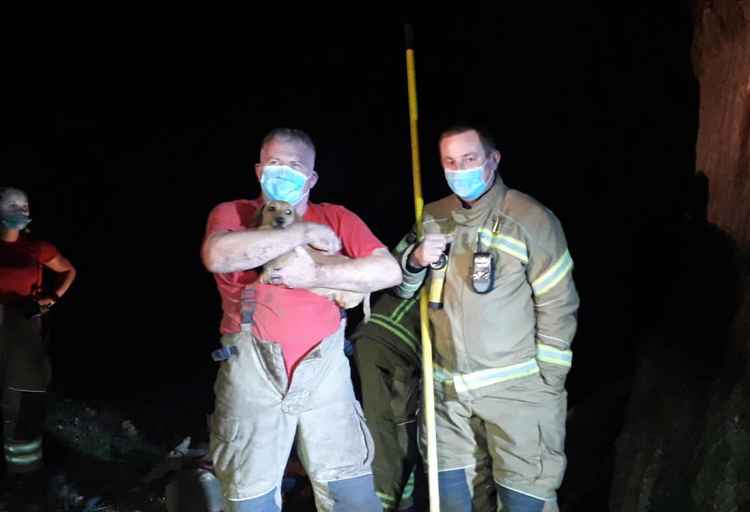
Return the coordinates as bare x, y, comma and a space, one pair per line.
47, 301
553, 375
322, 238
298, 272
429, 250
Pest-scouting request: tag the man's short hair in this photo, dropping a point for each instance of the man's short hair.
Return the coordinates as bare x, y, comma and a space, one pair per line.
488, 142
10, 190
289, 134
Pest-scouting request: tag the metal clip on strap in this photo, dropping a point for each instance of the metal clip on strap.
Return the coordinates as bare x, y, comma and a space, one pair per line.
224, 353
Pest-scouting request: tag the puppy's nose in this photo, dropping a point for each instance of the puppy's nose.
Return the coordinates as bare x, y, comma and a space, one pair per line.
279, 221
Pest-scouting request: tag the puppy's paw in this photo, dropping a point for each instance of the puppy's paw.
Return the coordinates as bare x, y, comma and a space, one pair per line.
347, 300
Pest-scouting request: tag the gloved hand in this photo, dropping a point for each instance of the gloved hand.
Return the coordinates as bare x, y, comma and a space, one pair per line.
554, 375
429, 250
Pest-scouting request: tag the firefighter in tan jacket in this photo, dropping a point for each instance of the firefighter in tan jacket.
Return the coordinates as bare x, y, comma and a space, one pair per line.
502, 329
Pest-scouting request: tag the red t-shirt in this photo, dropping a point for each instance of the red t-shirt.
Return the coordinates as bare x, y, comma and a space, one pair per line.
297, 319
21, 267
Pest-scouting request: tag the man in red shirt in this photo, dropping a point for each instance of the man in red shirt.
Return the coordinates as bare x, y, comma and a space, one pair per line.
24, 366
285, 376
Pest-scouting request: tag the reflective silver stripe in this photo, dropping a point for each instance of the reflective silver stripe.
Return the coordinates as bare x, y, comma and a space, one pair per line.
23, 454
23, 460
21, 448
483, 378
549, 354
441, 374
505, 243
525, 493
553, 275
468, 381
27, 390
409, 487
406, 290
411, 282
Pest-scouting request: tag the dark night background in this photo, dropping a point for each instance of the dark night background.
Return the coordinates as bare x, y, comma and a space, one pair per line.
126, 133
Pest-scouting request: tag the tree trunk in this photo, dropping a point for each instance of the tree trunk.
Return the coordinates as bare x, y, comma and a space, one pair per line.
685, 444
721, 59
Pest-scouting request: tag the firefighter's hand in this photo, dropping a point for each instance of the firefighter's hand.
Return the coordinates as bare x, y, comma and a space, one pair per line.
48, 300
429, 250
299, 272
553, 375
321, 237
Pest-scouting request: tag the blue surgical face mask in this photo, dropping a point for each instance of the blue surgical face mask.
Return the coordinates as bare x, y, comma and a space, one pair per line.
16, 221
468, 184
282, 183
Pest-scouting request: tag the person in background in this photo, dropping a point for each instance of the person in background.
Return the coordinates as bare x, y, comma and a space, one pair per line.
25, 371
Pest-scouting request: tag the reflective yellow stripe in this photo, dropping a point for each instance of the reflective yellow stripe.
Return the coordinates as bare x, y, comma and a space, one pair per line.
505, 243
386, 500
395, 329
483, 378
389, 502
553, 275
395, 313
14, 447
467, 381
550, 354
401, 310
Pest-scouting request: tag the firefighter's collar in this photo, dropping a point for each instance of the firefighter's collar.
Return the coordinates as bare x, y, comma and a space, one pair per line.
478, 212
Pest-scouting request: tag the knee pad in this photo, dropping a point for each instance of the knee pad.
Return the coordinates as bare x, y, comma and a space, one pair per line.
514, 501
354, 494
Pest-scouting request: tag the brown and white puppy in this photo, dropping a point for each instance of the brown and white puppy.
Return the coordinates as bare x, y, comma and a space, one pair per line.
277, 215
281, 215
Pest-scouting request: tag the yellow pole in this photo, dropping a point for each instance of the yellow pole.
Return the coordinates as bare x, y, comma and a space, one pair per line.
428, 391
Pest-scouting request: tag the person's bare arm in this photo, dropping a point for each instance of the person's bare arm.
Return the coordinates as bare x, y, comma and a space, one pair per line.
233, 251
377, 271
66, 273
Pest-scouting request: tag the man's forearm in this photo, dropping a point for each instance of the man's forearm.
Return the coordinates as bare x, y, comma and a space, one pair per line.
244, 250
67, 279
371, 273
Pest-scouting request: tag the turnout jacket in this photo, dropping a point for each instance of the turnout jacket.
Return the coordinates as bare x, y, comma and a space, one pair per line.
526, 323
